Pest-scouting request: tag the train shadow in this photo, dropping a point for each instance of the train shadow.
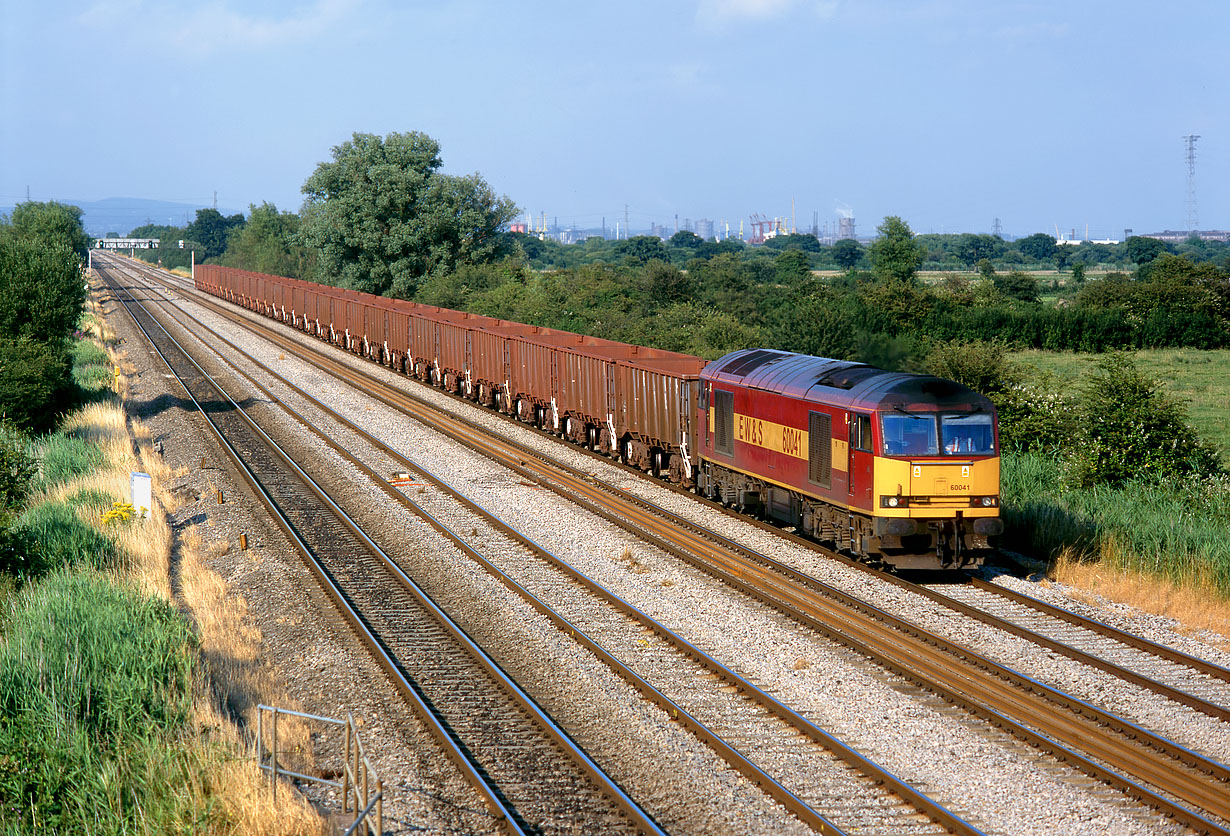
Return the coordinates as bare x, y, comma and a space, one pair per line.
151, 407
952, 577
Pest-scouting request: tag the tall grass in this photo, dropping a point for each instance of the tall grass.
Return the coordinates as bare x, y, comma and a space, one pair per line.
53, 535
63, 457
95, 682
1179, 531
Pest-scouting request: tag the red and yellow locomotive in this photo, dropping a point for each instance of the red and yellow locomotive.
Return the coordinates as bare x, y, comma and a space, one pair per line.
899, 468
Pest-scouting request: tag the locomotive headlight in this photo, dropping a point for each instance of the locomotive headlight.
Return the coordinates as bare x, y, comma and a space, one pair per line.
894, 502
988, 501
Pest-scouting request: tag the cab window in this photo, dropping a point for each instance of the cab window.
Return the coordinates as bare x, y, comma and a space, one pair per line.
968, 435
909, 435
860, 432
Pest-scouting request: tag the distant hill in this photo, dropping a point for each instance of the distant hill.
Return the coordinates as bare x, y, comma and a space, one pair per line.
122, 214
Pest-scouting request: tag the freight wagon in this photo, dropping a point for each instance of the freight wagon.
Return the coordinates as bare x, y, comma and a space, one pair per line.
899, 469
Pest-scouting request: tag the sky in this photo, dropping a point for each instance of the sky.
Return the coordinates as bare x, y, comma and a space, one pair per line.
1046, 115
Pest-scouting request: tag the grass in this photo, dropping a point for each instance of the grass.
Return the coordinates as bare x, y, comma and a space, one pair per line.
63, 457
95, 680
51, 535
1173, 537
119, 700
1199, 378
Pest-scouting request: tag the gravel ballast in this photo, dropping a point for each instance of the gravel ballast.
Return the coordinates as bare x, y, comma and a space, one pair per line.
946, 753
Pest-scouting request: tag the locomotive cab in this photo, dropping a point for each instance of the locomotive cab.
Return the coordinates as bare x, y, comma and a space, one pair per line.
900, 469
936, 483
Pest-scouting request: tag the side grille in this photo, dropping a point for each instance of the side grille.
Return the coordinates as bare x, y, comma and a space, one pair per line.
723, 421
820, 449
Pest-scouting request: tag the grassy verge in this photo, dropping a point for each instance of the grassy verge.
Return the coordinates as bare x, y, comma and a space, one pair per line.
118, 700
1169, 543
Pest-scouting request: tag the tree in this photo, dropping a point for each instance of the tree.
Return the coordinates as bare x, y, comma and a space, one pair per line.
213, 229
34, 382
972, 248
683, 239
1142, 250
804, 241
53, 223
1018, 285
792, 266
895, 254
641, 249
846, 253
1039, 246
982, 366
268, 243
667, 283
41, 289
382, 217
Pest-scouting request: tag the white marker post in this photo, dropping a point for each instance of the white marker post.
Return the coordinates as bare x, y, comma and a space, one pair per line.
142, 493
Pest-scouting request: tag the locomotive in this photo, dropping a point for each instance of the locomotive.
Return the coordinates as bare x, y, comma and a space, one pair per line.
899, 469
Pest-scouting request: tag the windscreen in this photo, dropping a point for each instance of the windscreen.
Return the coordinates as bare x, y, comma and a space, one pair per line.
909, 435
968, 435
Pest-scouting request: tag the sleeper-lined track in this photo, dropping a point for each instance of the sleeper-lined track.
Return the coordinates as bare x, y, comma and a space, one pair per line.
1186, 776
723, 709
530, 774
1189, 681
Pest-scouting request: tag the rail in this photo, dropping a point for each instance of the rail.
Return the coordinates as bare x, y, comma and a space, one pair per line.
1079, 708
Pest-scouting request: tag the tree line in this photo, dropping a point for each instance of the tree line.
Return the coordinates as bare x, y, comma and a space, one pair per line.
380, 216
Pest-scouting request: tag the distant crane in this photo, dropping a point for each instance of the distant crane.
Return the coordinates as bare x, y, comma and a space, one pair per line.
763, 228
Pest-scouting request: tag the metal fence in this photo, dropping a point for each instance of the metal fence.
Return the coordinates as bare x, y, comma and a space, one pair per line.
361, 788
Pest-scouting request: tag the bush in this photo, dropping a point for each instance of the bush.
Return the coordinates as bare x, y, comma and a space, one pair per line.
1130, 429
1033, 416
982, 366
51, 535
94, 681
34, 383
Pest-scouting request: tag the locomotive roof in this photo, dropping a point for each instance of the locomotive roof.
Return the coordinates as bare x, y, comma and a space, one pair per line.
838, 382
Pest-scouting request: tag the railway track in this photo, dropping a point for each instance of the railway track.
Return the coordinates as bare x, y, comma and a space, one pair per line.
720, 707
530, 774
1179, 677
1181, 775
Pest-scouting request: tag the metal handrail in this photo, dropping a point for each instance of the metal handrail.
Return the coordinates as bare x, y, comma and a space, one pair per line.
358, 775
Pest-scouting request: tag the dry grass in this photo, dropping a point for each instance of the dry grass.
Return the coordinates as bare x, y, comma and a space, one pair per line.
635, 566
236, 676
1189, 603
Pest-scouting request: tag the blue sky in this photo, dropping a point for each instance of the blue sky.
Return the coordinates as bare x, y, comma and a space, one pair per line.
949, 113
